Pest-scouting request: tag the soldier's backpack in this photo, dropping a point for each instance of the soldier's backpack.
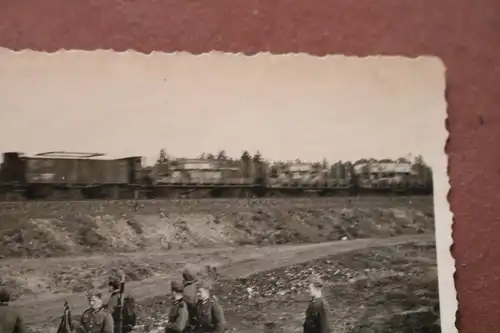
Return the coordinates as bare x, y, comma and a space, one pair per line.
129, 315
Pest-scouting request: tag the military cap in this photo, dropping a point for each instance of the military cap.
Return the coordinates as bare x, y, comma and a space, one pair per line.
93, 292
177, 287
4, 295
316, 281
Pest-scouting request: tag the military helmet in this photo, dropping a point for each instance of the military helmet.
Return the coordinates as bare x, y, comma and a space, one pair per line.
114, 278
188, 274
115, 275
177, 286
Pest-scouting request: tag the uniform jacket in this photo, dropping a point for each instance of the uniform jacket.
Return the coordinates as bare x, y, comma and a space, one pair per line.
317, 317
189, 281
99, 321
189, 294
178, 317
114, 298
10, 320
210, 316
112, 308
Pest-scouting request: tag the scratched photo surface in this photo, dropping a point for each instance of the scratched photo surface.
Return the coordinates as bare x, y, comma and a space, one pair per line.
306, 194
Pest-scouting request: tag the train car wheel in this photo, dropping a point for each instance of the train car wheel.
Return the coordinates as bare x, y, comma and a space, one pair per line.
75, 194
216, 192
260, 191
114, 192
39, 192
14, 195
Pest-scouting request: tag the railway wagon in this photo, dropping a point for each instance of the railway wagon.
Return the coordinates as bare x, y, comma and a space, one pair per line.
66, 175
54, 175
197, 172
339, 177
309, 177
220, 177
396, 177
297, 175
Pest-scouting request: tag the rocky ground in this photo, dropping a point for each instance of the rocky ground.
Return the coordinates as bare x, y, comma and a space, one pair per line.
53, 252
375, 290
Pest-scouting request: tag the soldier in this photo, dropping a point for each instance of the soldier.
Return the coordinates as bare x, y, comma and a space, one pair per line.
178, 316
209, 313
10, 320
96, 319
317, 314
189, 294
126, 312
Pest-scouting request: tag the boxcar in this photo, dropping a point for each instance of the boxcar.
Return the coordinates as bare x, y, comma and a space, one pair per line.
40, 175
79, 171
40, 170
90, 172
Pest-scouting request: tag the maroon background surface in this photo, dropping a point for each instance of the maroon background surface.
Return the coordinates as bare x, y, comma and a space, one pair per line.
465, 34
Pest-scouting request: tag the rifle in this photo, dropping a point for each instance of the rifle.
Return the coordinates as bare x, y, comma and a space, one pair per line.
121, 297
66, 325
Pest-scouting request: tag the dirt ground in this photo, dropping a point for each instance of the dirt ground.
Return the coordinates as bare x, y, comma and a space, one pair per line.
60, 229
53, 252
368, 290
380, 289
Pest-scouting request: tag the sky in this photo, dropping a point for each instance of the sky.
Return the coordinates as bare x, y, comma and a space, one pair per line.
285, 106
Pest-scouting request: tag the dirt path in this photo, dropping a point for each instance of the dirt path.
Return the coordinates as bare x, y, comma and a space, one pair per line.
231, 262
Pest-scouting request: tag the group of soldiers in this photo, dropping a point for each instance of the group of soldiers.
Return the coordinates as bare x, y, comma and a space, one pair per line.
194, 310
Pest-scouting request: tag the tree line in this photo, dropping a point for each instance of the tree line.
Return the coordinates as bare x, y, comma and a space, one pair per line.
249, 161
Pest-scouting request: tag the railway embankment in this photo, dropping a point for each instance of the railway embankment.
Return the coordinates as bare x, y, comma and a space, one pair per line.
48, 229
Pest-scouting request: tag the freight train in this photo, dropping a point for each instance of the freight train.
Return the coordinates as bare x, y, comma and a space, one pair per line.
75, 176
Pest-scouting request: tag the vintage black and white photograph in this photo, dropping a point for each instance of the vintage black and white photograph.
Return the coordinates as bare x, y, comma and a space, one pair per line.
223, 193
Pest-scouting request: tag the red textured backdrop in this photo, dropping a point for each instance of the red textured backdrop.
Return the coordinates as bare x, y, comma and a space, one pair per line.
465, 34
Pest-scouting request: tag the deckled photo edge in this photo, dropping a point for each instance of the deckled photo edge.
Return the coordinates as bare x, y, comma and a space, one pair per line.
131, 52
444, 224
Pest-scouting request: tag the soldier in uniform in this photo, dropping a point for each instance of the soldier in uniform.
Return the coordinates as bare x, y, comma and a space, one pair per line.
189, 294
209, 313
317, 314
96, 319
10, 320
178, 317
113, 302
114, 280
